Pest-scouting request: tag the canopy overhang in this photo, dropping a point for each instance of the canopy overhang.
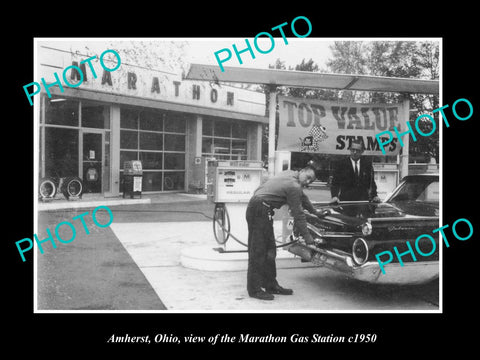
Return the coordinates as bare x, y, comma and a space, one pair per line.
313, 80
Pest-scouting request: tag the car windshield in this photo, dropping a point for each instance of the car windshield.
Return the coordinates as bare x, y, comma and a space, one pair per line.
418, 195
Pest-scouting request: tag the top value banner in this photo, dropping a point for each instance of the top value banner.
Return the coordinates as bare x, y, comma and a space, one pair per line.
329, 127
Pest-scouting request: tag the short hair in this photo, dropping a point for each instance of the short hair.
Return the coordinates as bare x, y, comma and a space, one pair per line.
359, 142
311, 169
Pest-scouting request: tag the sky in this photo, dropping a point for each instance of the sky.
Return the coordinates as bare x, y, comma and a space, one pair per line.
202, 51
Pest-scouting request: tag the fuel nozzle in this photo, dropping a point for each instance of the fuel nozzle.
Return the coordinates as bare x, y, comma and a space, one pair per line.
321, 213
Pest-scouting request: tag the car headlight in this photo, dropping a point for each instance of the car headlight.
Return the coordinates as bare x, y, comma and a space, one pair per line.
367, 228
360, 251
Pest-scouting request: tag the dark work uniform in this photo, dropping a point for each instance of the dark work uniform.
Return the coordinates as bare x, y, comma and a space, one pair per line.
350, 187
274, 193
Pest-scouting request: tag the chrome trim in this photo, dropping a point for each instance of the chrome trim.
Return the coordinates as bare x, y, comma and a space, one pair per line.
328, 203
345, 235
395, 274
369, 228
353, 251
410, 273
402, 218
321, 233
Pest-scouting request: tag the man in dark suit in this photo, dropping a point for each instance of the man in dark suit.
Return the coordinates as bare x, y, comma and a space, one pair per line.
353, 178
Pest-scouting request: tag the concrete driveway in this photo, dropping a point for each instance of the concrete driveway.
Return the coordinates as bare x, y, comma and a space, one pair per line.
138, 264
157, 249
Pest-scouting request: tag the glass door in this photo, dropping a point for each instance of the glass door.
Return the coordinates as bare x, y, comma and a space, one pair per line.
92, 161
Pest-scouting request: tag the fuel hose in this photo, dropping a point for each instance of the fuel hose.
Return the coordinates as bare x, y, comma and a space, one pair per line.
221, 227
220, 219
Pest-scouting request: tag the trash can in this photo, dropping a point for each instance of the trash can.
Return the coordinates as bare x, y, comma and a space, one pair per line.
132, 178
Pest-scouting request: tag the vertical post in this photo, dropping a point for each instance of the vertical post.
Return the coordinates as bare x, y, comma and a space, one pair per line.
198, 136
272, 111
405, 149
254, 142
115, 165
196, 171
41, 136
257, 155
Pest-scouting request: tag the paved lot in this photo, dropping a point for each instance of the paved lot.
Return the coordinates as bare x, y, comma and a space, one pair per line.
157, 247
93, 272
135, 264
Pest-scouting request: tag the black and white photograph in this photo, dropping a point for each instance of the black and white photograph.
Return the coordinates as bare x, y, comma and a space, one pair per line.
174, 182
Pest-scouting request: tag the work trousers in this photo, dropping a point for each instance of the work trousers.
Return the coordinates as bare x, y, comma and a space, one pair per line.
262, 252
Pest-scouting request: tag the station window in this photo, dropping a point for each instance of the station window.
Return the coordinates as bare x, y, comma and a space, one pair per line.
95, 115
66, 126
157, 138
60, 111
61, 152
224, 139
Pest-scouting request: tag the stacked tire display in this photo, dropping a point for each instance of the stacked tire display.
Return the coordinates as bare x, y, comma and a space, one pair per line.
70, 187
47, 188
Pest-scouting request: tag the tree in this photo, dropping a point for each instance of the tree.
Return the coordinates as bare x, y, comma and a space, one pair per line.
349, 57
308, 93
405, 59
164, 56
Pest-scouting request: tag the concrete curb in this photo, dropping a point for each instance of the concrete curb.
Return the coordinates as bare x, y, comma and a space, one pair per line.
89, 203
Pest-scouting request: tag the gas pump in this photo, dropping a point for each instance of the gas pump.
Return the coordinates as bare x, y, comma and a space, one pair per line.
230, 185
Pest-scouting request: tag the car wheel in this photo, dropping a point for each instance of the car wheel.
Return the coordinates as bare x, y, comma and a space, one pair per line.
221, 224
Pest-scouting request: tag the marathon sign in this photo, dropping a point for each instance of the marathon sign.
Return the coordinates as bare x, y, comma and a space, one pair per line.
111, 74
329, 127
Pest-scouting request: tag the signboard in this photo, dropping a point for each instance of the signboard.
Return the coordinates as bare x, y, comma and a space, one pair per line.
137, 80
239, 163
329, 127
132, 167
137, 183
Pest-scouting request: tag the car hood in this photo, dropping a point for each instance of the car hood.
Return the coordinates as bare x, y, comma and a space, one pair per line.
348, 217
359, 212
367, 210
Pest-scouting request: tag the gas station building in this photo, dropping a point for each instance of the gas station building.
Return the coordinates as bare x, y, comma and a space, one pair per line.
175, 124
170, 124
